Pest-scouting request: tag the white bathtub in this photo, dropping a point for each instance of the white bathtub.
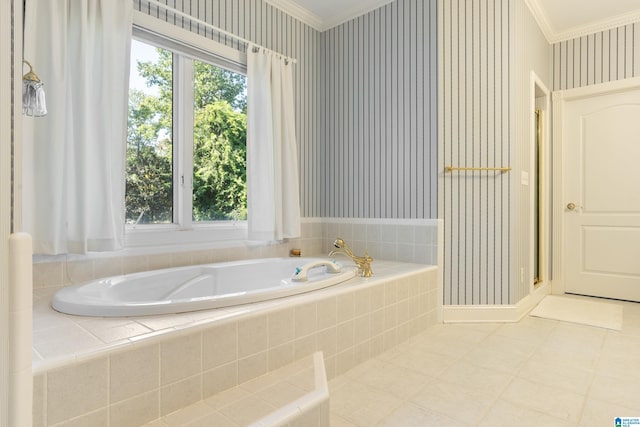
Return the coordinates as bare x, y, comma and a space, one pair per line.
200, 287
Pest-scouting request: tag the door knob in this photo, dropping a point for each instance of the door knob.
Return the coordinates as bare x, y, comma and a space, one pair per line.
571, 206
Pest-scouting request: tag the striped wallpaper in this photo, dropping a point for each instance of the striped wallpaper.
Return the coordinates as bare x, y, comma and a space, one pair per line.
538, 58
379, 113
475, 131
263, 24
601, 57
365, 99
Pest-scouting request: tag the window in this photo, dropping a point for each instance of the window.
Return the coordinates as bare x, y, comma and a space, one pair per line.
186, 145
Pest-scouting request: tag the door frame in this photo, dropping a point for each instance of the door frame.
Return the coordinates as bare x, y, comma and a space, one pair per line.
538, 90
560, 98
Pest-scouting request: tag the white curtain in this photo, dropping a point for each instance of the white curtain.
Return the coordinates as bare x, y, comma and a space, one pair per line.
75, 156
273, 201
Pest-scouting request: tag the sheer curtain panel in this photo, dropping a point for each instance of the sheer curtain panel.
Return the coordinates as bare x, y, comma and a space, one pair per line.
75, 156
273, 200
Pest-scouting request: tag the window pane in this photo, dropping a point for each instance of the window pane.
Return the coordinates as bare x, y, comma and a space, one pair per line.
220, 144
149, 186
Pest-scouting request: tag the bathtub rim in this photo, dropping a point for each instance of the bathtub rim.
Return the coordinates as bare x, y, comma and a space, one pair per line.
62, 297
386, 269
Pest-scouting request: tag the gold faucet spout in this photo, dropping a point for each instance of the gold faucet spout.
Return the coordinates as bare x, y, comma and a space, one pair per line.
363, 263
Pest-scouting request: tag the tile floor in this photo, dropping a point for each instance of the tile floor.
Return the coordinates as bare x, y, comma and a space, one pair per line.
536, 372
250, 402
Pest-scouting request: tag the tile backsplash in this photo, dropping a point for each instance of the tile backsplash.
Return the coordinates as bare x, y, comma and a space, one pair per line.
393, 240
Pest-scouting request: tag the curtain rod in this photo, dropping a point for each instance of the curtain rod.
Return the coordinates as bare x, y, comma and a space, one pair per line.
214, 28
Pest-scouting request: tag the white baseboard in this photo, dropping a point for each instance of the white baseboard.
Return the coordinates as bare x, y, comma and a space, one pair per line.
494, 313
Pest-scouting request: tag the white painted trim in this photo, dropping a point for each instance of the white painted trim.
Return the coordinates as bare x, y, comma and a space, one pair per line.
352, 13
541, 19
599, 89
607, 24
440, 262
295, 10
535, 81
321, 24
382, 221
169, 31
559, 100
20, 330
557, 287
579, 31
494, 313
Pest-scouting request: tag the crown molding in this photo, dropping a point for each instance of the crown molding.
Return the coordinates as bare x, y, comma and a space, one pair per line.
295, 10
579, 31
603, 25
351, 13
541, 19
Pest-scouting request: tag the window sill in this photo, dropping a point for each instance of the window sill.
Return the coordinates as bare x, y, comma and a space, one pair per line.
172, 235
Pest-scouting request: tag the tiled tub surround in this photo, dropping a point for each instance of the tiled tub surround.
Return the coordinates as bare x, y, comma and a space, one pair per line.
389, 239
294, 396
128, 371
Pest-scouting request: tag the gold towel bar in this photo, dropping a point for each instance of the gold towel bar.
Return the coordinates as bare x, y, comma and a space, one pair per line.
452, 169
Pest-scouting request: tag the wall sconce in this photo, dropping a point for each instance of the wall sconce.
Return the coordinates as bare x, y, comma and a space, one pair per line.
33, 99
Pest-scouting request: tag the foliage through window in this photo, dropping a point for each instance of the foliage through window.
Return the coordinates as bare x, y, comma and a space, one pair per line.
184, 166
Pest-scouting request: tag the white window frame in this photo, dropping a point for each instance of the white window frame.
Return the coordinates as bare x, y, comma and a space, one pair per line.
183, 230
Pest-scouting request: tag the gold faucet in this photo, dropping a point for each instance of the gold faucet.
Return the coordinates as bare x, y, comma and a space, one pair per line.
363, 263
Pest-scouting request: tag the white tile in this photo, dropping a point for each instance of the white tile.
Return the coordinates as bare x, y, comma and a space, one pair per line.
214, 419
597, 413
422, 361
99, 418
252, 336
409, 415
174, 366
305, 318
281, 356
531, 329
570, 336
508, 414
226, 398
135, 411
475, 378
327, 313
564, 376
304, 346
113, 333
48, 344
620, 391
219, 379
401, 382
558, 403
345, 307
464, 405
281, 394
362, 405
281, 329
501, 354
134, 372
247, 410
252, 366
77, 390
220, 345
186, 415
180, 394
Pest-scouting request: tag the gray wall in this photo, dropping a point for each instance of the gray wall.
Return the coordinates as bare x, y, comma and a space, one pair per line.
476, 106
537, 58
379, 113
263, 24
601, 57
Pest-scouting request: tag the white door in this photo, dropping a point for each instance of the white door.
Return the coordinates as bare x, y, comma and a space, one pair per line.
601, 169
